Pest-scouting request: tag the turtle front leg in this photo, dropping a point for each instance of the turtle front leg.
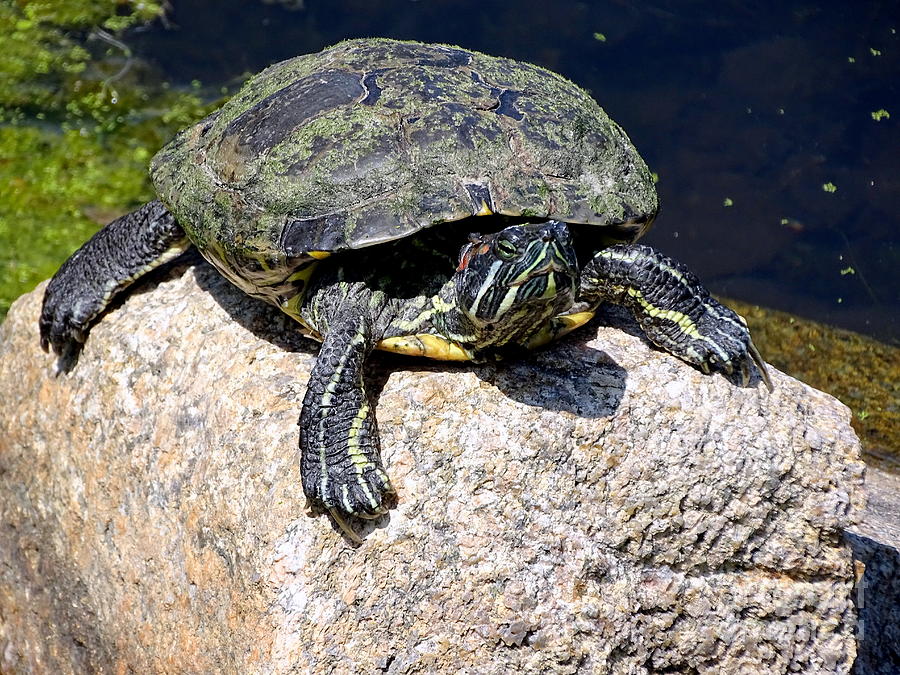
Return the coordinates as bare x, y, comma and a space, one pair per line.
126, 249
674, 309
340, 454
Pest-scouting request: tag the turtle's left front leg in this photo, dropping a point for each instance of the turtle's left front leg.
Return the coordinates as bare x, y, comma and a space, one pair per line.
673, 308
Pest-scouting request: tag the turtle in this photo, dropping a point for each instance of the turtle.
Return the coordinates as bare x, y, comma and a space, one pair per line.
417, 198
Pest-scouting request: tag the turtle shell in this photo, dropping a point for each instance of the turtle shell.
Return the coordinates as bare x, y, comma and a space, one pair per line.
372, 140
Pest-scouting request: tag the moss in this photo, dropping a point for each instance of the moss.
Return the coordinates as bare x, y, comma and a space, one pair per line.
77, 129
863, 373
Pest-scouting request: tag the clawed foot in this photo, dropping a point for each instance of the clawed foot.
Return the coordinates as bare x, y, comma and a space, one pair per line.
62, 332
360, 492
126, 249
340, 461
720, 341
65, 320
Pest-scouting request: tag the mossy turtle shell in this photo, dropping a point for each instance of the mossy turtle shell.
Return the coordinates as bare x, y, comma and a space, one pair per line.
372, 140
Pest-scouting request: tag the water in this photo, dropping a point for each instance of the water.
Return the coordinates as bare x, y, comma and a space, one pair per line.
749, 112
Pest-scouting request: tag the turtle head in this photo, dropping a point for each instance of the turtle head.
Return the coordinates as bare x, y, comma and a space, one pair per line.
511, 282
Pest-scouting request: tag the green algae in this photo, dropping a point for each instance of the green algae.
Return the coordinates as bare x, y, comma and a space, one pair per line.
45, 52
861, 372
80, 118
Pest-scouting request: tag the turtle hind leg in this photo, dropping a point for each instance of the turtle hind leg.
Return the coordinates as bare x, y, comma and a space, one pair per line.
339, 446
675, 311
126, 249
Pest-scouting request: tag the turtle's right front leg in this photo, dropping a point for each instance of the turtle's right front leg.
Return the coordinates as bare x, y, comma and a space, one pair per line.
109, 262
340, 459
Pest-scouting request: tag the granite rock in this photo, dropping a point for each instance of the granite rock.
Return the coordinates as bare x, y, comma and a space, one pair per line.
598, 506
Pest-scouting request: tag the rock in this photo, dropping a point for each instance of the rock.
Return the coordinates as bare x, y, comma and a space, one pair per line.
876, 548
598, 506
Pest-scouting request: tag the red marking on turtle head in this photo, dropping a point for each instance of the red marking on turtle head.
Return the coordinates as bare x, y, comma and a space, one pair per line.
465, 256
476, 246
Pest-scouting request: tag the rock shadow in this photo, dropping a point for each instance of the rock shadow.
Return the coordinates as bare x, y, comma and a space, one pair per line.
569, 376
263, 320
877, 600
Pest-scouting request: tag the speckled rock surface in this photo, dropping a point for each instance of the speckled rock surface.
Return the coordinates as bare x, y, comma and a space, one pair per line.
596, 507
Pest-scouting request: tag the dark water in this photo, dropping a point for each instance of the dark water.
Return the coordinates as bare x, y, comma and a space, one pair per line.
753, 104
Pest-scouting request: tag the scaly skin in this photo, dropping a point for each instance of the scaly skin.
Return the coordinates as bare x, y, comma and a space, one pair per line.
487, 303
673, 308
340, 454
114, 258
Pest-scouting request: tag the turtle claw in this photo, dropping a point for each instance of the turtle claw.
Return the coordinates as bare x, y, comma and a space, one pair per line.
63, 324
745, 372
377, 513
340, 516
757, 359
347, 494
723, 345
740, 361
345, 528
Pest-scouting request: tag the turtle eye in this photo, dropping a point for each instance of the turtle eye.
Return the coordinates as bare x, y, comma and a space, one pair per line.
506, 250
